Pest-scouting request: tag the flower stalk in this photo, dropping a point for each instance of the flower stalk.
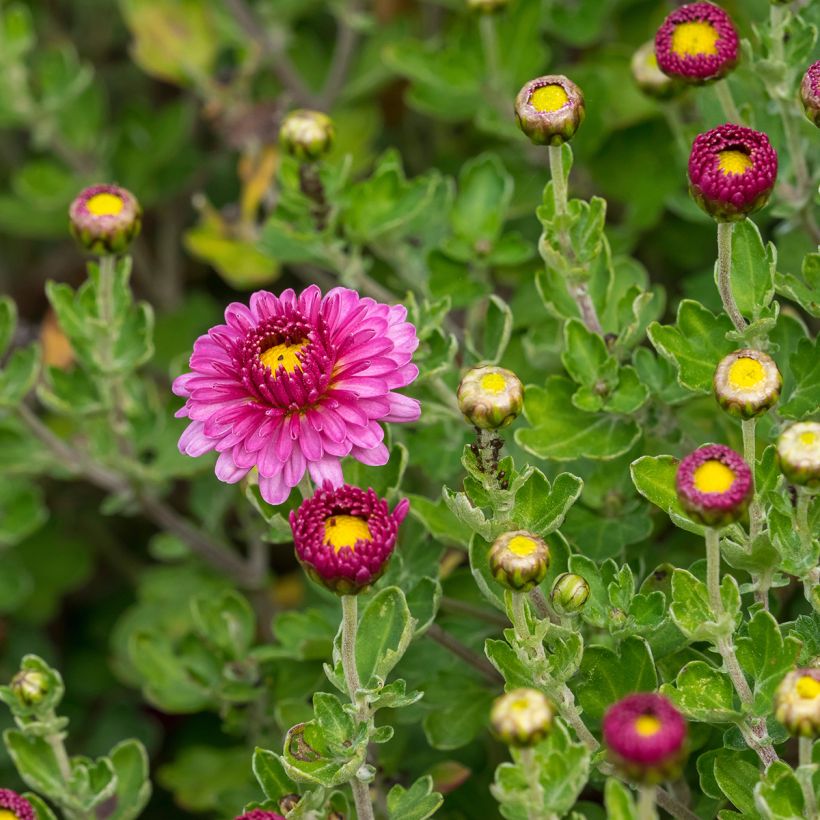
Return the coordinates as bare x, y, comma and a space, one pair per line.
727, 102
646, 802
724, 237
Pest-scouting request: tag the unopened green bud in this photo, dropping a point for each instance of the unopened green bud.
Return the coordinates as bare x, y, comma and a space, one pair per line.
490, 397
569, 593
519, 560
522, 717
307, 135
29, 686
798, 451
797, 702
550, 109
104, 219
649, 78
747, 383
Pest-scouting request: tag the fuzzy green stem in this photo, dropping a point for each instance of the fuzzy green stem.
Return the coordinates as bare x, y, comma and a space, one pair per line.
570, 713
518, 616
489, 44
727, 102
559, 185
646, 803
763, 580
713, 571
805, 771
671, 111
535, 797
724, 236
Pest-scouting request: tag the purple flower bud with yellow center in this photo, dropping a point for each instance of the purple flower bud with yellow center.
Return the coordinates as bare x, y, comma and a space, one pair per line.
15, 807
307, 135
550, 109
732, 171
487, 6
649, 78
797, 702
569, 593
522, 717
747, 383
490, 397
798, 451
697, 43
645, 737
257, 814
714, 485
345, 536
519, 560
810, 93
105, 219
30, 687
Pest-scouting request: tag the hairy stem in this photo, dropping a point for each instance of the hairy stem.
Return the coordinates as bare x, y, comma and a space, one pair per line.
518, 616
724, 235
559, 185
489, 45
646, 802
535, 797
763, 580
570, 713
727, 102
804, 773
473, 659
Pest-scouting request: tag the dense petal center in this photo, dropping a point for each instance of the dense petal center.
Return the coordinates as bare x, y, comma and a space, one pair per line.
103, 204
713, 477
549, 98
734, 162
808, 688
284, 354
521, 545
695, 38
345, 530
493, 383
647, 725
746, 373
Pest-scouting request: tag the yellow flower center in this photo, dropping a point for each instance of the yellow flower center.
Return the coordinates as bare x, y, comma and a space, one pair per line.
652, 60
549, 98
493, 383
521, 545
345, 530
520, 704
5, 814
808, 688
734, 162
102, 205
692, 39
648, 725
746, 373
808, 438
283, 355
713, 477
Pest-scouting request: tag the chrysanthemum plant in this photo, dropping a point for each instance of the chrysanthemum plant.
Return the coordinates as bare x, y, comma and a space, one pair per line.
618, 581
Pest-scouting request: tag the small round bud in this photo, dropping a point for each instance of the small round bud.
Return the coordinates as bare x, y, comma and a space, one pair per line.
490, 397
810, 93
105, 219
522, 717
30, 686
550, 109
569, 593
15, 807
747, 383
519, 560
798, 450
307, 135
797, 702
487, 6
714, 485
649, 78
646, 737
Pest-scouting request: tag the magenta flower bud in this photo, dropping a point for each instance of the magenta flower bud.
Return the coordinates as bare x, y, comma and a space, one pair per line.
260, 814
797, 702
344, 537
550, 109
105, 218
15, 807
714, 485
307, 135
646, 737
732, 171
747, 383
519, 560
810, 93
649, 78
697, 43
798, 451
522, 717
490, 397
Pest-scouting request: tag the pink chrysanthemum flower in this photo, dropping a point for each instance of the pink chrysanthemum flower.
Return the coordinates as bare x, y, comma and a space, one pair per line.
714, 485
105, 218
646, 737
260, 814
13, 804
732, 171
344, 537
697, 43
295, 383
810, 93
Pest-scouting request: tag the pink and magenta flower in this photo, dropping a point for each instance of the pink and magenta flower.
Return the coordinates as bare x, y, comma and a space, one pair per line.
344, 537
697, 43
732, 171
294, 383
19, 807
810, 92
646, 737
714, 485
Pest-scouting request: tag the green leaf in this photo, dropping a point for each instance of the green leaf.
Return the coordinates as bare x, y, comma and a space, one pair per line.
737, 779
559, 431
384, 633
541, 508
22, 510
309, 758
586, 357
416, 803
779, 795
337, 726
692, 612
703, 693
694, 344
268, 769
618, 801
753, 267
130, 762
484, 192
227, 620
36, 763
497, 329
803, 289
8, 323
654, 479
804, 398
458, 706
19, 375
438, 520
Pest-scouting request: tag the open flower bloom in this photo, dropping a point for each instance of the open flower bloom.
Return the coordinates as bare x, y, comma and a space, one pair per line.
714, 485
798, 450
549, 109
646, 737
697, 43
810, 93
521, 717
105, 218
295, 383
747, 383
15, 807
344, 537
732, 171
797, 702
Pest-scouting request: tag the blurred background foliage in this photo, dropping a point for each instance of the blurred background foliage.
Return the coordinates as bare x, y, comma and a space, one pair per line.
180, 101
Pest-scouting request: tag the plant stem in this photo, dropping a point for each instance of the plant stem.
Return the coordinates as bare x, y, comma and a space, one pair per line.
763, 580
478, 662
724, 235
671, 112
462, 607
569, 711
812, 578
518, 616
727, 101
535, 798
805, 771
559, 185
489, 44
646, 803
350, 623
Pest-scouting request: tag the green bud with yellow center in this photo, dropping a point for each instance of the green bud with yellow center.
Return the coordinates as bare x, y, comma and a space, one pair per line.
307, 135
490, 397
519, 560
29, 686
798, 451
747, 383
522, 717
649, 78
569, 593
797, 702
550, 109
